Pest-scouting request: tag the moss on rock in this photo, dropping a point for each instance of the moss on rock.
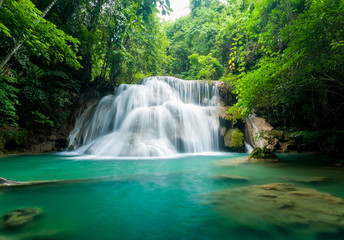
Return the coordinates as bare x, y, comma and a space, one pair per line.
234, 139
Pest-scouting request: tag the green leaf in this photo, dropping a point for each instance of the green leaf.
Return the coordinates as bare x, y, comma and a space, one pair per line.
5, 30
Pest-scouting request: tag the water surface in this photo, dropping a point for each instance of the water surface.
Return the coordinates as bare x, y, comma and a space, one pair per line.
157, 198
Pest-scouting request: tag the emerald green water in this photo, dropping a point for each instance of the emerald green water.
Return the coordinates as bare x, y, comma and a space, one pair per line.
147, 198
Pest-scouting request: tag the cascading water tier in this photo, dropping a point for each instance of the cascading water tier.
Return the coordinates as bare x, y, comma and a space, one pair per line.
160, 116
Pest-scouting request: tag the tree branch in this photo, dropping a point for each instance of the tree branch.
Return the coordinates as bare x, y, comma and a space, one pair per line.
20, 43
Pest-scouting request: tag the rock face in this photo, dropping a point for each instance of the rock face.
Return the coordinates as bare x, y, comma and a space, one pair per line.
223, 113
44, 147
20, 217
225, 91
56, 140
282, 205
231, 130
253, 125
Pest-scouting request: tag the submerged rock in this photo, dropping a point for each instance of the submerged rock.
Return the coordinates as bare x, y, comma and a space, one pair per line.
243, 160
311, 180
20, 217
282, 205
229, 177
232, 161
5, 238
45, 234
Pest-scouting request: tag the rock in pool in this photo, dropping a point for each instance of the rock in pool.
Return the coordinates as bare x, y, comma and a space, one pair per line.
263, 155
20, 217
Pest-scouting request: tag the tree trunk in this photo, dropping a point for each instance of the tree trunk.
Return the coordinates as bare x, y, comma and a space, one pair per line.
18, 45
324, 103
289, 11
48, 8
10, 55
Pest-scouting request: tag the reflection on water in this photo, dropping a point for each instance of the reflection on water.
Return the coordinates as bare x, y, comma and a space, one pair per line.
186, 197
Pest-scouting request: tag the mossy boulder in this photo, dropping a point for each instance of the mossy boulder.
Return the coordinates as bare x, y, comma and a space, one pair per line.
234, 139
263, 154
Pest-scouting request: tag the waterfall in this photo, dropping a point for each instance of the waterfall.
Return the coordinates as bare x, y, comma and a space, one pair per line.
248, 147
160, 116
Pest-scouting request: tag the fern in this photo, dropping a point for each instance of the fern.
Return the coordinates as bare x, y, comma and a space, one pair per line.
8, 101
58, 74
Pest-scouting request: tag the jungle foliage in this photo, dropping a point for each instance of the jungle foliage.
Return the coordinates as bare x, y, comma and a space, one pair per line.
52, 51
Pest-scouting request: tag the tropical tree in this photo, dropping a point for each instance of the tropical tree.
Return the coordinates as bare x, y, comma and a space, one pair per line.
51, 55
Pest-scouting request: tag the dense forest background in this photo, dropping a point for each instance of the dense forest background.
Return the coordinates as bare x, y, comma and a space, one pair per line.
284, 59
